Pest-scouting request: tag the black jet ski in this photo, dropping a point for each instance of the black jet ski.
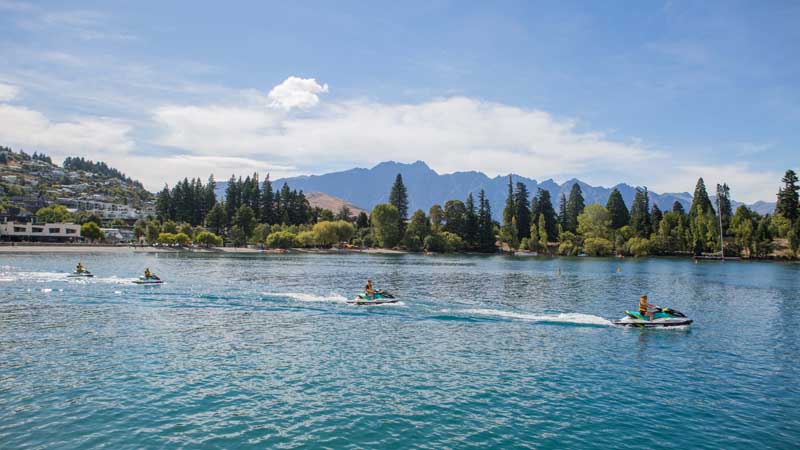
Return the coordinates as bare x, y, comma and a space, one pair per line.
148, 280
662, 318
84, 274
380, 298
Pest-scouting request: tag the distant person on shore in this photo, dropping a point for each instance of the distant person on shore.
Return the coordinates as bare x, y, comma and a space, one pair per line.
644, 307
369, 290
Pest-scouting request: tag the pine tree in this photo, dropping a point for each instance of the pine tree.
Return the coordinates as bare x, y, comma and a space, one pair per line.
543, 206
522, 211
562, 211
640, 214
232, 196
724, 205
164, 205
471, 229
399, 197
486, 240
575, 206
677, 207
655, 218
701, 204
788, 202
267, 208
618, 210
508, 210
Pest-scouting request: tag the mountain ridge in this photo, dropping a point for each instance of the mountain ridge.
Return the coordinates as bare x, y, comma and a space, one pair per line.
368, 187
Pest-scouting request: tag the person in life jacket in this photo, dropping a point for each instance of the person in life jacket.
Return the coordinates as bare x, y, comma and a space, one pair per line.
369, 290
644, 307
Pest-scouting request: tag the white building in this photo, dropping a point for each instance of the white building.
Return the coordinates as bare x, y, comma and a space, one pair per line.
54, 232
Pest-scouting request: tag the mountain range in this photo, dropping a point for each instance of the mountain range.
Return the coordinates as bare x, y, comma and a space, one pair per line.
369, 187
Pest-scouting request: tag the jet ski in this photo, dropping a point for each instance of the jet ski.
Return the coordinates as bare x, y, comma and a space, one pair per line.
380, 298
84, 274
662, 318
148, 280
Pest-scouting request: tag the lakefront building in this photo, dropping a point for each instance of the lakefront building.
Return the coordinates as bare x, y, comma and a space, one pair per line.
48, 232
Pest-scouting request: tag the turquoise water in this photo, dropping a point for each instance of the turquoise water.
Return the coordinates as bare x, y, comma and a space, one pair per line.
482, 352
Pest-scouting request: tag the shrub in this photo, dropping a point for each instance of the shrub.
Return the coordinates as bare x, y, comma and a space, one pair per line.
282, 239
598, 247
638, 246
208, 239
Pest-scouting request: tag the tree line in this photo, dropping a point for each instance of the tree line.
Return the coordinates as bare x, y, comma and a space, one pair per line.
252, 212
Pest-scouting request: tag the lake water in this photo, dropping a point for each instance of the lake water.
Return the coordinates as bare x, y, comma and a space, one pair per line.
245, 351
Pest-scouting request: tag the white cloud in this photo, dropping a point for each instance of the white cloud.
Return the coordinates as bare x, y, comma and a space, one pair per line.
451, 134
296, 92
26, 128
8, 92
747, 184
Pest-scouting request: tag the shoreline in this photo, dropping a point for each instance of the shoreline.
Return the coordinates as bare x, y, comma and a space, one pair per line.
8, 248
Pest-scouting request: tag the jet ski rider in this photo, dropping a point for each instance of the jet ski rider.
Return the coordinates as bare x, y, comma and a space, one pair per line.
79, 268
149, 275
644, 307
369, 290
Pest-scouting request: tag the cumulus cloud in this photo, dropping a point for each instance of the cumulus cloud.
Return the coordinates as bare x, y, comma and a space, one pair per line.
8, 92
456, 133
23, 127
296, 92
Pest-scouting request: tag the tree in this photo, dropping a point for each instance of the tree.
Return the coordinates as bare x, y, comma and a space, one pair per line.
522, 210
54, 214
594, 222
169, 227
562, 211
471, 228
362, 221
398, 197
437, 217
575, 206
208, 239
655, 217
724, 205
788, 202
325, 233
386, 225
618, 210
152, 231
233, 196
282, 239
186, 229
543, 234
742, 227
640, 214
164, 208
217, 219
344, 213
486, 238
508, 215
183, 239
455, 213
678, 207
268, 215
92, 231
419, 227
435, 243
245, 220
701, 204
542, 206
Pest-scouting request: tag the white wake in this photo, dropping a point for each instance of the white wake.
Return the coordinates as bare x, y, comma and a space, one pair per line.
576, 318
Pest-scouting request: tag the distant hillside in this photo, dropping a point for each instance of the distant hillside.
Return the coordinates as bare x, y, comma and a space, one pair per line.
329, 202
368, 187
32, 181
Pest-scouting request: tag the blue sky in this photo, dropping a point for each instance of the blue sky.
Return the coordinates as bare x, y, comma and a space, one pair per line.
649, 93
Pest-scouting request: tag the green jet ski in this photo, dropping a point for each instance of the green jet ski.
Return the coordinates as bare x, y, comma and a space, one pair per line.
662, 318
380, 298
